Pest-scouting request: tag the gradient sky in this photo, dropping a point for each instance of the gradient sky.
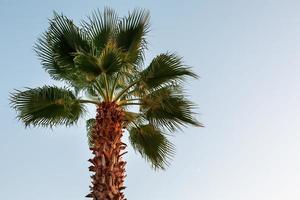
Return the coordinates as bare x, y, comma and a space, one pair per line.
248, 56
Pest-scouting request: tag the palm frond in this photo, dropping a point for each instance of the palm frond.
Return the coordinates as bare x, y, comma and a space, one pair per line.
88, 64
56, 49
131, 119
131, 35
47, 106
152, 145
92, 93
167, 107
66, 39
101, 27
111, 60
89, 128
165, 68
46, 55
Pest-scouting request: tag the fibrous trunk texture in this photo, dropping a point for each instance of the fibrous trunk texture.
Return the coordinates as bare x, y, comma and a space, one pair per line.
108, 168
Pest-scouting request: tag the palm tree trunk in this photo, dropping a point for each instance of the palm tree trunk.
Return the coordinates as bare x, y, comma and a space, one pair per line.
107, 165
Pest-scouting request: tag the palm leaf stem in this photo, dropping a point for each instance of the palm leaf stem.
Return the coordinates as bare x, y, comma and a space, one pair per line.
99, 89
137, 126
114, 87
137, 99
128, 104
126, 89
88, 101
107, 96
128, 100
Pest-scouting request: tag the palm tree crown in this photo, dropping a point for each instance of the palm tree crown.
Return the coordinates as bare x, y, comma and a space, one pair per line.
103, 61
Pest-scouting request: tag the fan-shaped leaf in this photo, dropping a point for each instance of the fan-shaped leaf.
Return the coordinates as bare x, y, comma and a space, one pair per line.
131, 34
88, 64
111, 60
165, 68
152, 145
46, 106
168, 108
101, 28
57, 47
65, 39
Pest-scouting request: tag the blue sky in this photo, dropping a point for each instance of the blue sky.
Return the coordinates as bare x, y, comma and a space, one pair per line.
247, 54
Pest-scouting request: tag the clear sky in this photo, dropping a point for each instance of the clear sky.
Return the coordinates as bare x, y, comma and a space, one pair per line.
248, 56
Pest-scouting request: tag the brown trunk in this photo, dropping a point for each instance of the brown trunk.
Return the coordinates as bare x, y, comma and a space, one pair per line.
107, 165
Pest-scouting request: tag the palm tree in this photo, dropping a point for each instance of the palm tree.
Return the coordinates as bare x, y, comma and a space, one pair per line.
102, 63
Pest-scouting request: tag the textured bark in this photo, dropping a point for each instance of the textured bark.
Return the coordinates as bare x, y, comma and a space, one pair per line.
107, 165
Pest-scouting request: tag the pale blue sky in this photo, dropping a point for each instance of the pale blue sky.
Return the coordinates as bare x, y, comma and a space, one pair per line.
248, 56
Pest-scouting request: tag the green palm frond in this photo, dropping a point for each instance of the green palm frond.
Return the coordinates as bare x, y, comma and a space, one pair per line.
131, 35
45, 52
47, 106
46, 55
165, 68
66, 39
92, 93
131, 119
111, 60
57, 48
88, 64
150, 142
101, 28
89, 128
167, 107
